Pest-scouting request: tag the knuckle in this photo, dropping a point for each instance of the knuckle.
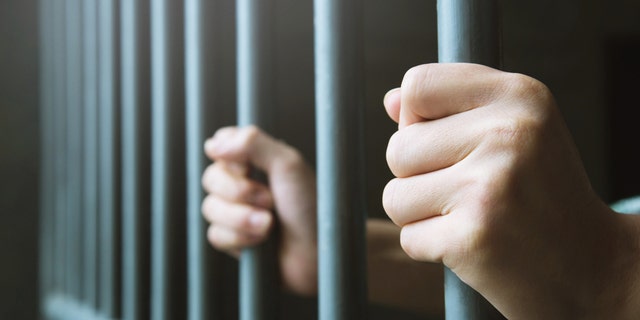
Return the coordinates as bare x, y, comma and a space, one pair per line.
207, 176
209, 208
526, 87
244, 191
218, 239
249, 135
512, 132
416, 81
417, 75
291, 160
204, 208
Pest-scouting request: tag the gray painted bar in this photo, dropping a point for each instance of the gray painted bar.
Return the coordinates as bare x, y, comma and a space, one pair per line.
90, 203
205, 292
340, 155
258, 288
196, 242
60, 181
74, 146
167, 157
468, 31
109, 158
136, 162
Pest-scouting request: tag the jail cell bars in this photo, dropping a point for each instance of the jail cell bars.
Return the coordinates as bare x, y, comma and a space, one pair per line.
130, 90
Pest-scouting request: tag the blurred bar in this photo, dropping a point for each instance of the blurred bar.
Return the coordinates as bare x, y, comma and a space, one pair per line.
340, 159
90, 204
46, 101
109, 158
168, 298
468, 31
203, 116
254, 25
136, 161
74, 146
60, 146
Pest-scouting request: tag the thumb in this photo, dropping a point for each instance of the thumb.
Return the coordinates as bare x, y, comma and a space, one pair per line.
247, 145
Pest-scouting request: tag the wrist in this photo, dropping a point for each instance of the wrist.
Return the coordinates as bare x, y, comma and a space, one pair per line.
620, 295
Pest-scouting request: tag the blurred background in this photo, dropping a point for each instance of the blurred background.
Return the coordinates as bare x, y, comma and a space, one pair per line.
586, 51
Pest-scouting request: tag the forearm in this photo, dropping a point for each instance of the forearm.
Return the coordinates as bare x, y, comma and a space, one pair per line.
395, 279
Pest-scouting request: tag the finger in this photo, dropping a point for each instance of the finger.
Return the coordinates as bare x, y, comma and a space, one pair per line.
434, 91
433, 145
250, 145
243, 218
391, 103
438, 239
229, 240
406, 200
222, 180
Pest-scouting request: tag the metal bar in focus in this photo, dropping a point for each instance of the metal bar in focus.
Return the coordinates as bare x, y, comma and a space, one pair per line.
90, 205
109, 156
73, 136
340, 155
258, 265
468, 31
167, 152
136, 161
205, 296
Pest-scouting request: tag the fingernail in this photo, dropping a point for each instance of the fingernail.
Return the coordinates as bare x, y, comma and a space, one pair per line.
259, 221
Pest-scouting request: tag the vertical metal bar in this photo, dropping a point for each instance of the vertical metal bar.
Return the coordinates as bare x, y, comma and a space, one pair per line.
468, 31
74, 146
47, 152
167, 150
204, 297
60, 184
90, 208
255, 101
340, 149
109, 158
136, 163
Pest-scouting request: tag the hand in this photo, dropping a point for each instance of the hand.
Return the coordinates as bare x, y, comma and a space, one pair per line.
240, 210
490, 183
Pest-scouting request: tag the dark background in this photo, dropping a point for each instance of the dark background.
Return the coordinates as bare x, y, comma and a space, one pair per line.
585, 51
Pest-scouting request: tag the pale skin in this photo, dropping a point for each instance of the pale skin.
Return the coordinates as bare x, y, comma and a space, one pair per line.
488, 183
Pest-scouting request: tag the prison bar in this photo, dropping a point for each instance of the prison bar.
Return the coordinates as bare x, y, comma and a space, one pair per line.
340, 164
73, 136
135, 142
167, 152
203, 115
60, 184
95, 58
258, 265
90, 163
468, 31
109, 158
